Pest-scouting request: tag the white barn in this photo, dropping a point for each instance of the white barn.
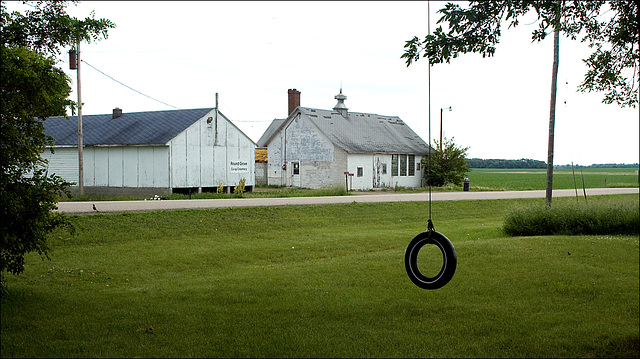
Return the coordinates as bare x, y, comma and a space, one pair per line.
155, 152
314, 148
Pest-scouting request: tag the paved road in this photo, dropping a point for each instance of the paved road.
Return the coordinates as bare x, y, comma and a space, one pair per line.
368, 197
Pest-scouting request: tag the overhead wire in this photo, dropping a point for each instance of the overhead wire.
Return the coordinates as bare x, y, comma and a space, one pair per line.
154, 99
129, 87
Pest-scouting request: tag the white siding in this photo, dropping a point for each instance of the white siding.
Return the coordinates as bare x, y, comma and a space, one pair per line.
146, 162
116, 174
130, 167
179, 160
64, 163
300, 141
201, 155
133, 166
365, 162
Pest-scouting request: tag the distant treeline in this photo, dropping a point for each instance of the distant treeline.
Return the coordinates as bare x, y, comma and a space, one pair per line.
602, 165
495, 163
529, 163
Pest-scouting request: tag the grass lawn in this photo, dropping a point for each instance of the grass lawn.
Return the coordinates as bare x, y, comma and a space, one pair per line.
321, 281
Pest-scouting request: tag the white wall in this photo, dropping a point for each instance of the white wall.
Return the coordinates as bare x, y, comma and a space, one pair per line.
113, 166
364, 161
64, 162
206, 154
300, 141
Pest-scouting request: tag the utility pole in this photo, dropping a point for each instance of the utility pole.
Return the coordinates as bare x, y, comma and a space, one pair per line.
441, 109
552, 116
80, 156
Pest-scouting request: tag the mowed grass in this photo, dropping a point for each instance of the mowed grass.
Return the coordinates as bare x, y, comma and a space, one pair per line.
321, 281
536, 179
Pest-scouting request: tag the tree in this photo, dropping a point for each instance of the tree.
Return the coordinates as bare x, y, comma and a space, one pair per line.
32, 89
613, 66
448, 165
611, 28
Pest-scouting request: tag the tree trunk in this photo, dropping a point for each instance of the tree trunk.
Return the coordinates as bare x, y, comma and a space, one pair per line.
552, 116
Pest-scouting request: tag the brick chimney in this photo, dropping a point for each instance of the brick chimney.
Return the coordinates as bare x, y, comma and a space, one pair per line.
117, 112
294, 100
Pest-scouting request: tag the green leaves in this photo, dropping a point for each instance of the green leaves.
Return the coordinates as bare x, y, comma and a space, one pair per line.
613, 67
448, 164
47, 28
32, 89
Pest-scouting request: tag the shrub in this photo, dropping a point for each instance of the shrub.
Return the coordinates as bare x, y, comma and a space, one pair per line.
574, 218
448, 164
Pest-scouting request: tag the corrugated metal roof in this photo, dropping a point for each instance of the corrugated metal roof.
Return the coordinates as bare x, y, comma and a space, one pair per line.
270, 131
135, 128
366, 133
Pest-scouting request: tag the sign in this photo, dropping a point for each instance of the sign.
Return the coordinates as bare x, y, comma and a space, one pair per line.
238, 166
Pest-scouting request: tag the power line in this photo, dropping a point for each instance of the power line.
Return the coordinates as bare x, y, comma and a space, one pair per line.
129, 87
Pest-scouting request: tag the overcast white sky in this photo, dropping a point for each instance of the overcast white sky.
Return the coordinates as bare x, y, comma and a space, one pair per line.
251, 53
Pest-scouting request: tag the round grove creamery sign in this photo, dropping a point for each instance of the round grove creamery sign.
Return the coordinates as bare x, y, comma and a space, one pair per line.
238, 166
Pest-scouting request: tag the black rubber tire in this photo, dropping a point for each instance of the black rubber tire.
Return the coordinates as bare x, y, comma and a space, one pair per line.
450, 260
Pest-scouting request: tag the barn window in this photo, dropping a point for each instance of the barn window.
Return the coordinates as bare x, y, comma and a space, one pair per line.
403, 165
394, 165
296, 168
412, 166
359, 171
384, 168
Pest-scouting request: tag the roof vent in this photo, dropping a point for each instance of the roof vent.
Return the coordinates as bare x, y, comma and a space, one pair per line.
340, 106
117, 112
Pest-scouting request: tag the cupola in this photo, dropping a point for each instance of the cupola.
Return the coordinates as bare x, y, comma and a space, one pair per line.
340, 106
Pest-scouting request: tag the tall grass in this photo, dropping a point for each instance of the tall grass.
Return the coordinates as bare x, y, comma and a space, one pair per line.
575, 218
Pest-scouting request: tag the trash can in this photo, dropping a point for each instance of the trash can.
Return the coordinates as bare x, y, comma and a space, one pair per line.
466, 185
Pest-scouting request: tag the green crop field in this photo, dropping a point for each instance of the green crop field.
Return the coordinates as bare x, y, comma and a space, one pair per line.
536, 179
322, 281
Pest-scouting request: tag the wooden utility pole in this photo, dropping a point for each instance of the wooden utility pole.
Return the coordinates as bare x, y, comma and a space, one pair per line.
80, 156
552, 116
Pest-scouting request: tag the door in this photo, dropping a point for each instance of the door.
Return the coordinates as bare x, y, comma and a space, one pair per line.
380, 179
295, 173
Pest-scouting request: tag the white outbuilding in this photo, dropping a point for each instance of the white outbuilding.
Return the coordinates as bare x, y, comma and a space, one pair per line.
315, 148
154, 152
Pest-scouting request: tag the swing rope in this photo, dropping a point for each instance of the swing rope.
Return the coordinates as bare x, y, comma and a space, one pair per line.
430, 227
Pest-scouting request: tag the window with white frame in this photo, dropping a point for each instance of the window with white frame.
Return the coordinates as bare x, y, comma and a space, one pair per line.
404, 165
394, 165
412, 165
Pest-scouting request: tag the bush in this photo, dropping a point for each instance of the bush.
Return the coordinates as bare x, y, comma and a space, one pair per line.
448, 164
574, 218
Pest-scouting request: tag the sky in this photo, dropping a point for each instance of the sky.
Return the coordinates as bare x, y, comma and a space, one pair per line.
180, 54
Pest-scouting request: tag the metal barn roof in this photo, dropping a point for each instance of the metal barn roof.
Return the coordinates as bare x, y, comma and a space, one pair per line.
366, 133
135, 128
270, 131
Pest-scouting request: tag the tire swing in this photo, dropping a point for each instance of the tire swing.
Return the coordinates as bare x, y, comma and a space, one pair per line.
430, 237
449, 259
